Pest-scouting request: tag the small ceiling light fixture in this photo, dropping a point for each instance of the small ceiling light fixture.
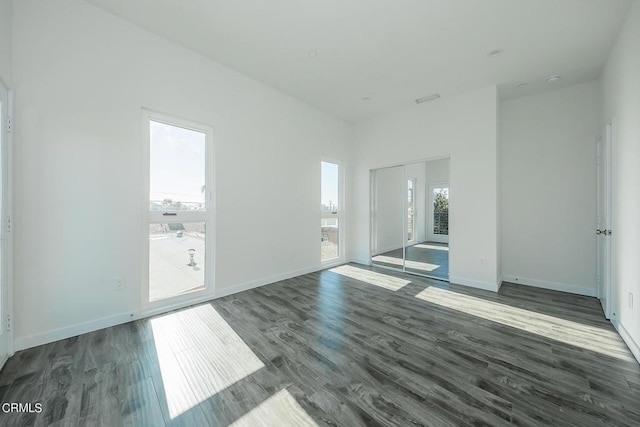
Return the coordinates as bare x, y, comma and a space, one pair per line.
553, 78
312, 54
523, 85
427, 98
366, 99
495, 52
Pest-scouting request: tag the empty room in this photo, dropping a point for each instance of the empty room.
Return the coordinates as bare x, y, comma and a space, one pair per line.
319, 213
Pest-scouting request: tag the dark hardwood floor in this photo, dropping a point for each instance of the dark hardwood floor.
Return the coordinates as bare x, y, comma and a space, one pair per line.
349, 346
425, 258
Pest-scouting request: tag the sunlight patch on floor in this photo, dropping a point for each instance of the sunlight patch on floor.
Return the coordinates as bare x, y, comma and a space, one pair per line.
280, 410
428, 246
416, 265
590, 338
199, 355
372, 277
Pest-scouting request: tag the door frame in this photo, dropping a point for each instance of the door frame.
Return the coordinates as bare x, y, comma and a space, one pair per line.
6, 226
431, 237
152, 218
605, 243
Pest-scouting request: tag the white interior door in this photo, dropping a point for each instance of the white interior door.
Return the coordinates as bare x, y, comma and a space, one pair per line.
5, 315
603, 227
438, 220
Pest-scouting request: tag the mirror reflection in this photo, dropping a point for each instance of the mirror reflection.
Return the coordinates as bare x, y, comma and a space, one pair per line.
410, 218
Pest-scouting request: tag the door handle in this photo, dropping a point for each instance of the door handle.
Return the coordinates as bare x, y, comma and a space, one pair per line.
169, 214
599, 232
604, 232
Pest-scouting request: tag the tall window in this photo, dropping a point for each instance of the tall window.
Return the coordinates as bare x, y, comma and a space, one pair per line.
330, 211
179, 207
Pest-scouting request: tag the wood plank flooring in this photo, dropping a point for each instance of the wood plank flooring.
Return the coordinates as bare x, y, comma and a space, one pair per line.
350, 346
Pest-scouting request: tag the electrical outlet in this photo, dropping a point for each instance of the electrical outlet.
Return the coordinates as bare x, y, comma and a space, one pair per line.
118, 283
630, 300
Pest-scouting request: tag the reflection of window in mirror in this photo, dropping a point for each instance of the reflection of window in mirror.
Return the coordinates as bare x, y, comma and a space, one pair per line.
411, 210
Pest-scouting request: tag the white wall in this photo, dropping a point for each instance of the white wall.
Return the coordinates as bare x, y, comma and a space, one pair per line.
464, 128
437, 171
620, 95
82, 77
6, 26
548, 149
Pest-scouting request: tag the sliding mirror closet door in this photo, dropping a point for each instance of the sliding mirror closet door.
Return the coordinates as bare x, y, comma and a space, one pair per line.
428, 254
415, 218
410, 218
387, 217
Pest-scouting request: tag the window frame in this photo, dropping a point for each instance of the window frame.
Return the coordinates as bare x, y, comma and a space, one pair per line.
156, 217
339, 214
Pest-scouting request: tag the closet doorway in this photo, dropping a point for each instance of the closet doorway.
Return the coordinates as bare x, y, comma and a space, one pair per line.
410, 218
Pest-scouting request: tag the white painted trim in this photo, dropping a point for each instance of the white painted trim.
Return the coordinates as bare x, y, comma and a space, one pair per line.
70, 331
410, 162
207, 216
493, 287
105, 322
10, 238
628, 339
7, 243
500, 280
272, 279
341, 214
562, 287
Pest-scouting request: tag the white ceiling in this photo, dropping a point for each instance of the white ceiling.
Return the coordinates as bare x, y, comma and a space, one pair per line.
392, 51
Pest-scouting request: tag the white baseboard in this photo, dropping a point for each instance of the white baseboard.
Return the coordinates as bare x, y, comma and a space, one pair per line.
628, 339
562, 287
35, 340
363, 261
271, 279
493, 287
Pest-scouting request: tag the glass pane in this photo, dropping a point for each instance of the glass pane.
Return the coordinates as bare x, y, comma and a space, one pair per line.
329, 238
176, 259
410, 209
329, 187
441, 211
177, 168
